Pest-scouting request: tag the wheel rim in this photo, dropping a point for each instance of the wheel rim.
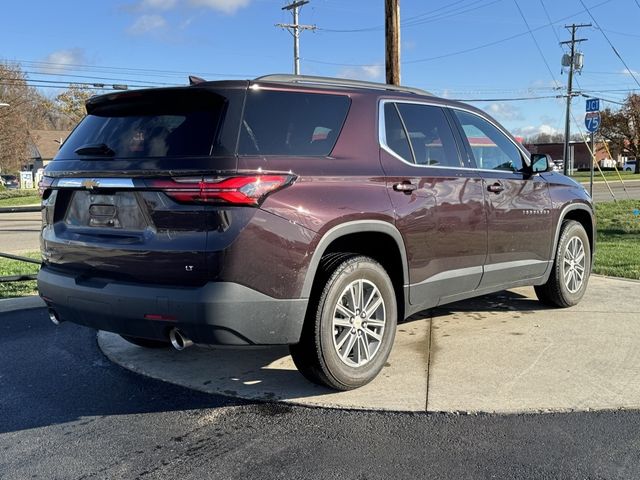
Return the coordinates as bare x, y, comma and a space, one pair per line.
359, 320
574, 264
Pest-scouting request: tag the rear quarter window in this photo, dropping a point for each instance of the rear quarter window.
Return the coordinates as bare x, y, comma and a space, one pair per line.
291, 123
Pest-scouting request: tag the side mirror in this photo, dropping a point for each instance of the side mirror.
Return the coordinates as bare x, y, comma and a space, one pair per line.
541, 162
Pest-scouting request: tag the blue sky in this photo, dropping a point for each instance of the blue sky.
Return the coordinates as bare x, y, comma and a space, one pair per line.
149, 42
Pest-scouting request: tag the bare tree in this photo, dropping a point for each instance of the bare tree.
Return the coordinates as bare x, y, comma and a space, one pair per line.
622, 128
14, 118
71, 103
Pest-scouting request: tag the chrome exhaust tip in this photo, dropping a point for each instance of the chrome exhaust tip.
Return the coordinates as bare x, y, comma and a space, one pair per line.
53, 316
178, 339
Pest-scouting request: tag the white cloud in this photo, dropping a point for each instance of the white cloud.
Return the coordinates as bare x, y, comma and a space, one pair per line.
531, 130
61, 58
504, 111
147, 23
158, 4
626, 71
225, 6
364, 72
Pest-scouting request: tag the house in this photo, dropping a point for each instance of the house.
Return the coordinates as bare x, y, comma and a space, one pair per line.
43, 146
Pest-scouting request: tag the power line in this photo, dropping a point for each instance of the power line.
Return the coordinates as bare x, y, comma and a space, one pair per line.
511, 99
105, 69
420, 18
546, 12
11, 82
634, 35
533, 37
466, 50
89, 77
609, 42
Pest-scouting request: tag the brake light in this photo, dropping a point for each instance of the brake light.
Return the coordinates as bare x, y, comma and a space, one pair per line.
44, 184
236, 190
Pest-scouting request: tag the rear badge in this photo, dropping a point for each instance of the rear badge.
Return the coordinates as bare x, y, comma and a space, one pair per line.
90, 184
188, 268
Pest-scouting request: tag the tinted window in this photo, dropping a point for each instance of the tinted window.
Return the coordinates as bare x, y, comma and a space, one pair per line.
289, 123
395, 134
430, 135
491, 148
153, 124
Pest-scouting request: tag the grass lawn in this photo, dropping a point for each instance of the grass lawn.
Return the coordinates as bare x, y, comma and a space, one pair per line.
618, 242
15, 267
610, 176
18, 197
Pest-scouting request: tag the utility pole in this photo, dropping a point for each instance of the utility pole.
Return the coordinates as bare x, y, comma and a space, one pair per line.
392, 41
295, 28
570, 61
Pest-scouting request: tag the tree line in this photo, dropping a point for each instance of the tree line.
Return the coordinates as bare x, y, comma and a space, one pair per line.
29, 109
25, 108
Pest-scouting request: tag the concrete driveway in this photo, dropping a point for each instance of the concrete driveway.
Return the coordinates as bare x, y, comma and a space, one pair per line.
501, 353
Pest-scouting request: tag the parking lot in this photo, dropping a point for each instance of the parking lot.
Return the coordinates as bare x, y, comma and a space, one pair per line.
69, 412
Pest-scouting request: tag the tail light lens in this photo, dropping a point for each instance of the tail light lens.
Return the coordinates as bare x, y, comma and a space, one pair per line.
44, 184
235, 190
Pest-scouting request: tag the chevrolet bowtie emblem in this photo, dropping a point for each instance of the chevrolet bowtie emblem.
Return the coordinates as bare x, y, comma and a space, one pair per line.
90, 184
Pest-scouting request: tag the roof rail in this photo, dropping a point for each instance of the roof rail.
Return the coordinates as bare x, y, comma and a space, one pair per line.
344, 82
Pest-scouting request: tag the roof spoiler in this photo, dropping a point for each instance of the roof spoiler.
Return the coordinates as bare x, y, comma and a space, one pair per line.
193, 80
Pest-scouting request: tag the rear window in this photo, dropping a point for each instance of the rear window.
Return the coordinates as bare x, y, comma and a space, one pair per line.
149, 124
291, 123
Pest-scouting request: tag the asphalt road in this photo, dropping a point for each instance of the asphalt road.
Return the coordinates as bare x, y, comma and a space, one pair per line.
68, 413
19, 232
630, 190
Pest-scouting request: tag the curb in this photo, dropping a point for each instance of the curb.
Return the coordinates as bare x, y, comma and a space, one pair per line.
21, 209
21, 303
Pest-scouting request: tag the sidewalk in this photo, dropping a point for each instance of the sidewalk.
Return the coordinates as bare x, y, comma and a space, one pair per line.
502, 353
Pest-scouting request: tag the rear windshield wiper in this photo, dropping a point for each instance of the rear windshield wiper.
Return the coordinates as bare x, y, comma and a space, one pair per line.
99, 149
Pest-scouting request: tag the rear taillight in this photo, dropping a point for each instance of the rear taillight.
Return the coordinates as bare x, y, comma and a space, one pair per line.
235, 190
44, 184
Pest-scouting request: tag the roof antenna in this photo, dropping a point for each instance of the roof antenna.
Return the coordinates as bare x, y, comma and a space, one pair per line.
193, 80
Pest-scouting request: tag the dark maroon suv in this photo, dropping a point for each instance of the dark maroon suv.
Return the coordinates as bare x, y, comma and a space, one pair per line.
305, 211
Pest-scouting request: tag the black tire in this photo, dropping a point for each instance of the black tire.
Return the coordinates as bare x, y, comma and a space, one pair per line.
558, 292
146, 342
318, 356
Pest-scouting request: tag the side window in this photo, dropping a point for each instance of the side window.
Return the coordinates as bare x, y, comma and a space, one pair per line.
430, 135
491, 149
291, 123
395, 134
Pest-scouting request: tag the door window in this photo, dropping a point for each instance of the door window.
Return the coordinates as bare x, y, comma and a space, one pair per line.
492, 149
420, 134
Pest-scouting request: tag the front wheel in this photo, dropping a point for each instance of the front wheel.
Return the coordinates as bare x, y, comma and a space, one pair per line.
571, 268
350, 327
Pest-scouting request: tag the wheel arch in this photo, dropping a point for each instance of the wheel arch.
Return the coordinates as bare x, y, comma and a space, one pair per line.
582, 214
374, 238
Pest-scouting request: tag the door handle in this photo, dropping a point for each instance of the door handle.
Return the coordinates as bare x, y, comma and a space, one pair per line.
496, 187
405, 186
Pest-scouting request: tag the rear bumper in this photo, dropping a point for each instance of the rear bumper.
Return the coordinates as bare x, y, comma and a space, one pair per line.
218, 313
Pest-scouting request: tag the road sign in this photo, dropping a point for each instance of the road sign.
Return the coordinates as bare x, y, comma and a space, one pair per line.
592, 121
593, 104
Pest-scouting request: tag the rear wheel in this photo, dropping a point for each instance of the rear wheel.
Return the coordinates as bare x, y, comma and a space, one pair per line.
146, 342
350, 326
571, 268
